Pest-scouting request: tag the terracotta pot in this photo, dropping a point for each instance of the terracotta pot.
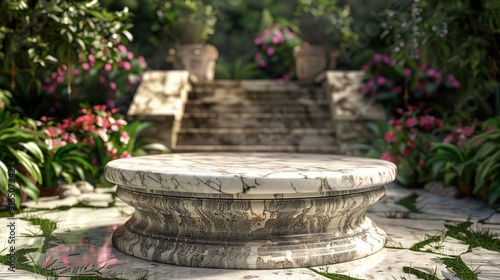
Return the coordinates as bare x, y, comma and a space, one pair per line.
483, 193
199, 59
24, 197
465, 190
46, 191
310, 61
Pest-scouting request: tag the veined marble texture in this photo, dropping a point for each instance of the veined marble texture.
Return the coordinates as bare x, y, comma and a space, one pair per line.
252, 175
249, 211
243, 233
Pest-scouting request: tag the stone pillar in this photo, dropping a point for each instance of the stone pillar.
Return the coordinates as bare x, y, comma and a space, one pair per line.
160, 99
350, 108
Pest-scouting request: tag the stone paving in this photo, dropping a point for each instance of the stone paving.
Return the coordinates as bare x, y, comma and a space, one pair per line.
417, 239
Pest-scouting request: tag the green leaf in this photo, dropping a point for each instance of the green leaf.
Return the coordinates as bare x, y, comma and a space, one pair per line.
493, 192
33, 148
57, 168
27, 162
449, 178
27, 186
4, 176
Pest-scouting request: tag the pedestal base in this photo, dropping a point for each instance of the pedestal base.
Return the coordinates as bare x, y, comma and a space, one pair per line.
250, 233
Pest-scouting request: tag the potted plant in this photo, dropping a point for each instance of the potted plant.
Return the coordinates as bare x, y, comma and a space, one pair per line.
20, 154
323, 24
454, 165
63, 164
487, 177
194, 24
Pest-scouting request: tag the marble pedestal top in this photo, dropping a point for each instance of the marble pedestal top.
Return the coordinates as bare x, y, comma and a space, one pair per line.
239, 175
257, 211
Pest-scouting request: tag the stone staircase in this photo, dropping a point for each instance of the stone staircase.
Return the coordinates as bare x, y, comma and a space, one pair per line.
256, 116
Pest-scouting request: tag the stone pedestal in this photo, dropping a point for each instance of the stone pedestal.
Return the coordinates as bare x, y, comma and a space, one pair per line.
252, 211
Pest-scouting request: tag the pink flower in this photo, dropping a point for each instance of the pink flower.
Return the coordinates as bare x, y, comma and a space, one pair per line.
387, 59
270, 51
91, 58
397, 90
102, 79
142, 62
427, 122
257, 57
122, 48
125, 65
387, 156
111, 103
262, 63
278, 38
257, 41
468, 131
381, 80
112, 85
448, 139
407, 72
431, 73
85, 66
130, 56
266, 33
60, 79
377, 57
76, 72
439, 122
411, 122
124, 137
107, 67
125, 155
390, 137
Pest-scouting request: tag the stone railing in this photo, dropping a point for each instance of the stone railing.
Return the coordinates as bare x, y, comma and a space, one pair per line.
160, 99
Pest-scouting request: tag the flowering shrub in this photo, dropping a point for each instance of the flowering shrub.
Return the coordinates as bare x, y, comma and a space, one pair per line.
275, 52
96, 78
396, 83
406, 141
102, 133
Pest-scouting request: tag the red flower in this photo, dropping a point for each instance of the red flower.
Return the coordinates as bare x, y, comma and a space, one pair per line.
388, 156
390, 137
411, 122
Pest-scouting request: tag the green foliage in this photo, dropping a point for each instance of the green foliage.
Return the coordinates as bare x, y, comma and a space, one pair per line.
482, 238
65, 163
334, 276
37, 36
419, 245
459, 37
324, 22
239, 69
487, 173
453, 165
410, 202
420, 274
457, 265
275, 52
405, 141
188, 21
20, 154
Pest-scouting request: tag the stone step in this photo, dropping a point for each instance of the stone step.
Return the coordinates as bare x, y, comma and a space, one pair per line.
243, 120
257, 149
258, 107
256, 136
220, 95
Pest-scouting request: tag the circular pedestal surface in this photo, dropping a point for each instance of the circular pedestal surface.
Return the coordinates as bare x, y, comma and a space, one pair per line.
250, 210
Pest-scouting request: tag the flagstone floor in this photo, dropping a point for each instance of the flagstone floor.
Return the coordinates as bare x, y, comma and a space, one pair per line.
416, 222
